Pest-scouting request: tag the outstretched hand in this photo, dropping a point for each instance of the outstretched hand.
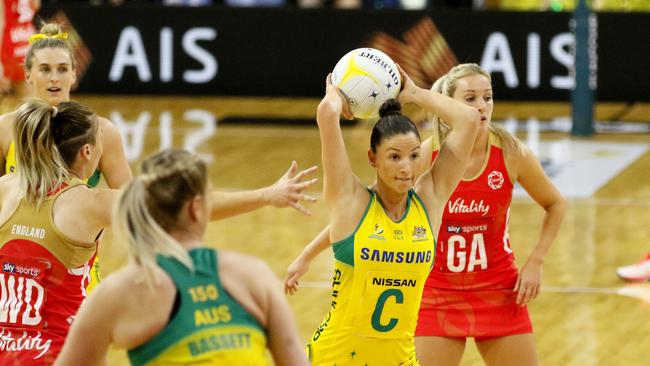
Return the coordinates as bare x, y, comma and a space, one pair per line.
287, 191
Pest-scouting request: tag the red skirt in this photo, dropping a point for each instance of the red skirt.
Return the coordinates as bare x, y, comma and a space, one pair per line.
475, 304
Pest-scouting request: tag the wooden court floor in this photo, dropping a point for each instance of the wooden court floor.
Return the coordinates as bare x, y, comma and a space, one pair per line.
584, 316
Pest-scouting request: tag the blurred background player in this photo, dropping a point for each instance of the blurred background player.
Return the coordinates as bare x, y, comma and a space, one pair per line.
16, 23
185, 303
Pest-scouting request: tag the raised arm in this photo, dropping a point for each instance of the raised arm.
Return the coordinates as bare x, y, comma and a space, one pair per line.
344, 195
339, 180
439, 182
286, 192
532, 178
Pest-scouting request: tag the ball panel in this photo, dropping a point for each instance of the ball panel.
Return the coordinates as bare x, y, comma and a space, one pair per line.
362, 97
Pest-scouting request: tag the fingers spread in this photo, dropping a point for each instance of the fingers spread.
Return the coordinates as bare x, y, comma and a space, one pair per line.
299, 207
305, 172
303, 185
308, 198
292, 169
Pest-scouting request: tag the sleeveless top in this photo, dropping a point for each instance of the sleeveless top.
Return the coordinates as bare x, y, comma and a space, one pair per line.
473, 239
210, 326
379, 274
42, 283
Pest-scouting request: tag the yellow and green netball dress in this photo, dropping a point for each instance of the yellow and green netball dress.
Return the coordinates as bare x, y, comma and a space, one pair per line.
11, 166
379, 273
209, 327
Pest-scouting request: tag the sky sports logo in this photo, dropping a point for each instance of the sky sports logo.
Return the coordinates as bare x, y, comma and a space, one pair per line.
453, 229
8, 267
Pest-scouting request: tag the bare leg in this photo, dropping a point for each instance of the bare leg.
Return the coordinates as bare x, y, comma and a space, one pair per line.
439, 351
515, 350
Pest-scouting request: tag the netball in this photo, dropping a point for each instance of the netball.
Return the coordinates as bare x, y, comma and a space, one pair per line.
367, 77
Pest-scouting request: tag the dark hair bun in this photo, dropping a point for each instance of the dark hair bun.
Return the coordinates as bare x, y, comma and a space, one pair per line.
390, 107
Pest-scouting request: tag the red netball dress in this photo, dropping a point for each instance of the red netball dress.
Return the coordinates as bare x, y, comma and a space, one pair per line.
43, 279
469, 292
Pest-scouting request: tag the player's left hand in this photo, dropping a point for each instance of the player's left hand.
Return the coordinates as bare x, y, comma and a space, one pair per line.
287, 191
528, 282
408, 87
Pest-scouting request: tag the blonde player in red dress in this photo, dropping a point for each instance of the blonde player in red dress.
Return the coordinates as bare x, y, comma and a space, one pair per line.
474, 289
50, 221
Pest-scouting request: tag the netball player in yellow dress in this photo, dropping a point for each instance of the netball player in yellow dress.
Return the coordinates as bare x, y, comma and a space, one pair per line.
383, 240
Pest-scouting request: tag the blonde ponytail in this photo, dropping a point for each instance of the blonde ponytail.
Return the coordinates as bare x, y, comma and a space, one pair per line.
134, 225
47, 141
148, 208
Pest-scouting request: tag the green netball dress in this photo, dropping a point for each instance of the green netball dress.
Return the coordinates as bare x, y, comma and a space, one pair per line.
210, 327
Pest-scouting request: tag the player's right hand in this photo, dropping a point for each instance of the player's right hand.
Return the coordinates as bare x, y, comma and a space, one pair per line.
296, 270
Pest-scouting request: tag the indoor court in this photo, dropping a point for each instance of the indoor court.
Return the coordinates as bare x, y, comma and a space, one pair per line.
238, 83
585, 315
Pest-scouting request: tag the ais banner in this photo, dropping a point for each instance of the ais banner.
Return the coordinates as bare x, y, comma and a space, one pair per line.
141, 49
